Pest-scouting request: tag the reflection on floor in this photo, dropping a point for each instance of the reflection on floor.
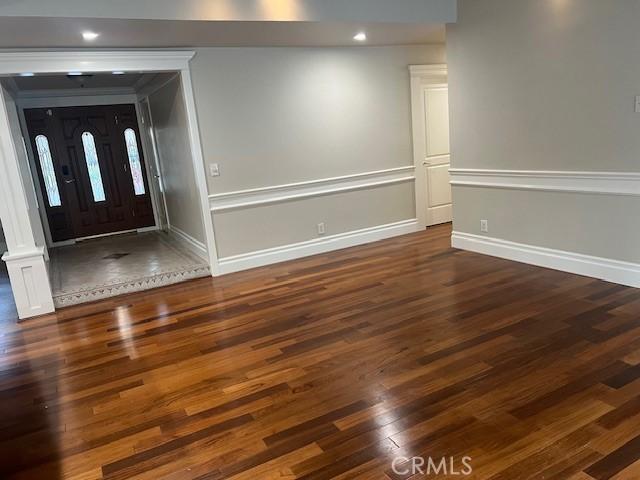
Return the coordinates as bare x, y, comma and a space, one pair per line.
341, 366
110, 266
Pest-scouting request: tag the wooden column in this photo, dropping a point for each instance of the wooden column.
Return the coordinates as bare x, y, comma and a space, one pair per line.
25, 259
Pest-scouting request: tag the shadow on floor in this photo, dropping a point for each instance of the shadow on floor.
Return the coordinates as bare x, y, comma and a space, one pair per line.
29, 426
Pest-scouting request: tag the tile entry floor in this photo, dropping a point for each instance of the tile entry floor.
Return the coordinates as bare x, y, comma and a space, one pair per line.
106, 267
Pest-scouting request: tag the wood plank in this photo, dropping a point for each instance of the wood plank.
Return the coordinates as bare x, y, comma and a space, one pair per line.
329, 367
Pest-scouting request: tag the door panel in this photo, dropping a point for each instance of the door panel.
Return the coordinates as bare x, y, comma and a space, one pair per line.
89, 144
437, 160
60, 221
439, 189
126, 120
437, 126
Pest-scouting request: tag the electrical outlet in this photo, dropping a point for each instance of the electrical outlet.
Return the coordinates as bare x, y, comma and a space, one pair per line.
214, 169
321, 229
484, 226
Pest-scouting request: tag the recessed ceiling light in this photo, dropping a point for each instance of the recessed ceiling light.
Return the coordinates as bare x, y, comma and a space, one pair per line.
360, 37
75, 74
118, 72
27, 74
90, 36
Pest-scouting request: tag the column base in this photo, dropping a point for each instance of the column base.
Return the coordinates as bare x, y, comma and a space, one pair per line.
29, 282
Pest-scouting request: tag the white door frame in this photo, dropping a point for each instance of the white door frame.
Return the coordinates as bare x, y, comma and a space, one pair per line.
25, 260
422, 75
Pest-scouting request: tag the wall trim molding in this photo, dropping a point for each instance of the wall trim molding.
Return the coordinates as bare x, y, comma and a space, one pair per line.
425, 72
316, 246
312, 188
608, 183
193, 245
12, 63
616, 271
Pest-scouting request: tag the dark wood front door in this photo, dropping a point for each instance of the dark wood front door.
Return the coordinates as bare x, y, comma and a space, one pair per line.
91, 169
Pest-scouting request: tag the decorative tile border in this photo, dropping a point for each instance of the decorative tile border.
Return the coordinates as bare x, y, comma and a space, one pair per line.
138, 285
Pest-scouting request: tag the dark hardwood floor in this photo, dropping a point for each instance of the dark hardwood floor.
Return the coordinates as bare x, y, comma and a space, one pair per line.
329, 368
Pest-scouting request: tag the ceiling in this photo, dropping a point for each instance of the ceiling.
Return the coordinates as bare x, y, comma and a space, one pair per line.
63, 82
93, 84
52, 32
367, 11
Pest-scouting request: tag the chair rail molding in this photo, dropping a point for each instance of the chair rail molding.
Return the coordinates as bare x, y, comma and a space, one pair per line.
313, 188
606, 183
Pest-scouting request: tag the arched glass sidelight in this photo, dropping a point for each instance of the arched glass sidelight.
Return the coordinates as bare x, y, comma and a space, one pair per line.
93, 166
134, 161
48, 172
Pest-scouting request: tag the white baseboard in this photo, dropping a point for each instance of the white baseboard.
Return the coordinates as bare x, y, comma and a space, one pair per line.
193, 245
269, 256
616, 271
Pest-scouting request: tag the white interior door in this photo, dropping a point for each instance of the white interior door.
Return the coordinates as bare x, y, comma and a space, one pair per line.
437, 158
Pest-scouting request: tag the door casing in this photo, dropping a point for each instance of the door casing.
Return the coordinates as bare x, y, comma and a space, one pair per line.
23, 254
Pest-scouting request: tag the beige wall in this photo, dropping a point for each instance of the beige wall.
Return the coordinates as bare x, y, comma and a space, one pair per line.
599, 225
296, 221
270, 116
273, 116
547, 85
174, 154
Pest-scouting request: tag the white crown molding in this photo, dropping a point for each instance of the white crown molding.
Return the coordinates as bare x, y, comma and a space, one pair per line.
313, 188
313, 247
12, 63
428, 71
616, 271
609, 183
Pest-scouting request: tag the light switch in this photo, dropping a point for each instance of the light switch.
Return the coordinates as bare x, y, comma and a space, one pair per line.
638, 104
214, 169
